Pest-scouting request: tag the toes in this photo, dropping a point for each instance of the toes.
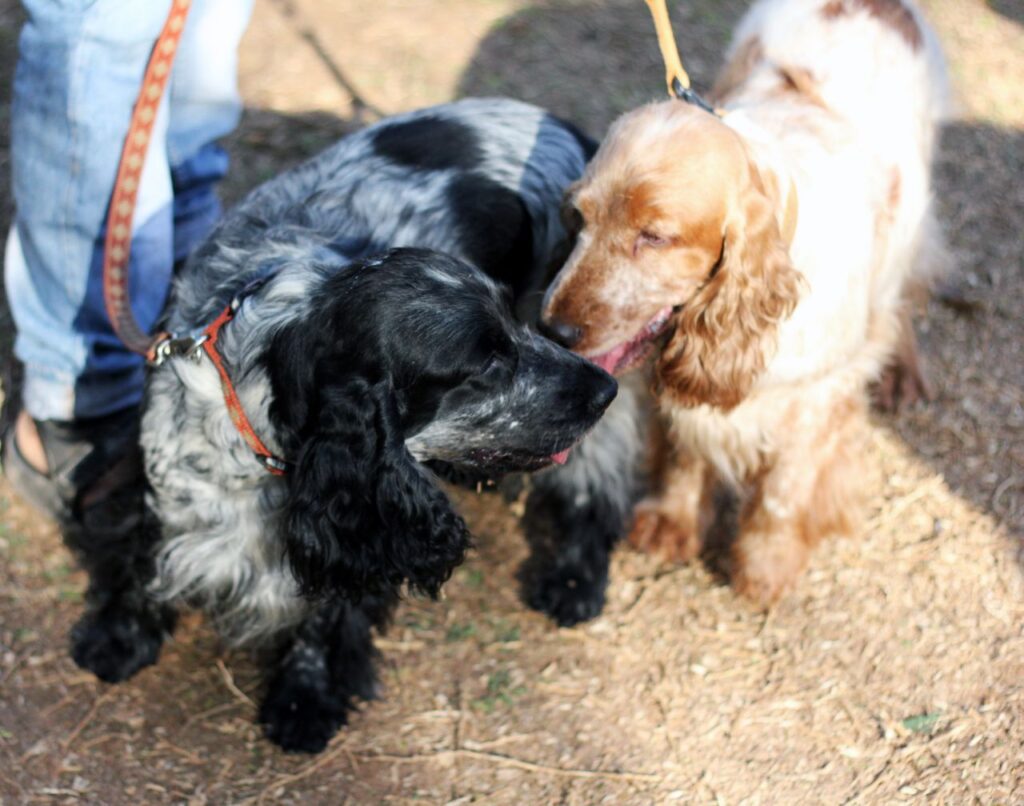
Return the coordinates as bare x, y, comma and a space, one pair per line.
300, 718
765, 568
901, 386
645, 527
567, 596
114, 644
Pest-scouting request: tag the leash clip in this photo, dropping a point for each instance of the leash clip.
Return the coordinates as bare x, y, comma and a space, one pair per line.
688, 95
171, 346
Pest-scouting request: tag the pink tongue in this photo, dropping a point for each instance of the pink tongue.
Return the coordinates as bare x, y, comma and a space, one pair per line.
610, 361
561, 457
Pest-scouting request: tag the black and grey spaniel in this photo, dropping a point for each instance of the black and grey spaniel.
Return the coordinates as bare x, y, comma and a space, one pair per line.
371, 341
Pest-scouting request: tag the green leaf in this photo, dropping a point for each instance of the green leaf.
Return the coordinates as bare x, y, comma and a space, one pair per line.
459, 632
922, 723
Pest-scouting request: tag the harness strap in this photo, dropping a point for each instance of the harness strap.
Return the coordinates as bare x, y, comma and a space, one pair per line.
270, 462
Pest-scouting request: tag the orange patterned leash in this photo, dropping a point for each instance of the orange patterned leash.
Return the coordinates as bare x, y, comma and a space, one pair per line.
676, 78
126, 187
117, 248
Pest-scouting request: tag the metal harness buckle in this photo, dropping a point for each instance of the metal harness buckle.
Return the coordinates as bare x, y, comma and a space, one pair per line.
172, 346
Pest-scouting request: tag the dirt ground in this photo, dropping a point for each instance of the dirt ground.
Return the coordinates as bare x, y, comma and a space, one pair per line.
894, 673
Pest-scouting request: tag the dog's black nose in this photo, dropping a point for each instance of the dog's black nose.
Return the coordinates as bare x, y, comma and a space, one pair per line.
560, 332
606, 392
603, 389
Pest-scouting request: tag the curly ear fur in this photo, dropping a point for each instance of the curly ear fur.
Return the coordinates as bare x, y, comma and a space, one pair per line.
362, 515
725, 333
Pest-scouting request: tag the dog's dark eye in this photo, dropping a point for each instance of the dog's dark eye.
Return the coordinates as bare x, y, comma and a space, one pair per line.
572, 218
650, 239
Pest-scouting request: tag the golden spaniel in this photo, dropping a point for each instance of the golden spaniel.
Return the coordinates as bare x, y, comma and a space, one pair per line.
766, 257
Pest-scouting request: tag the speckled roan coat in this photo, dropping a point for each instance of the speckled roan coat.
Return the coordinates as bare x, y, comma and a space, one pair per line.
311, 561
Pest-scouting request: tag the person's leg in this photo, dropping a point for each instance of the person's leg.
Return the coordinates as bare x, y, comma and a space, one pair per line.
79, 71
77, 79
74, 449
204, 106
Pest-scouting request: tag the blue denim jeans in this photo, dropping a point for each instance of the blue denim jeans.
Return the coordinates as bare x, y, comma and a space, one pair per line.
80, 65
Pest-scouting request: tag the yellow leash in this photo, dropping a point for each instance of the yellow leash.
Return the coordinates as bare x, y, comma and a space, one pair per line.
678, 83
676, 78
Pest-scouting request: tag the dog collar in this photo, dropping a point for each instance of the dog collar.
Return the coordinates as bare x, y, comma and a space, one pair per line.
171, 346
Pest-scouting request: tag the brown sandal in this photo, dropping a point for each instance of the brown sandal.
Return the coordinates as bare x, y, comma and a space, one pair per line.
86, 459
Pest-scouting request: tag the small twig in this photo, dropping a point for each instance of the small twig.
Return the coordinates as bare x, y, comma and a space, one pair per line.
86, 719
490, 744
106, 737
400, 646
51, 709
203, 715
13, 785
1009, 483
900, 505
306, 771
229, 681
181, 751
511, 761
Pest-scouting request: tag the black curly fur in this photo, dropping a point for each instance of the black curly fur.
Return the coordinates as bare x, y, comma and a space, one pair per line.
571, 542
122, 629
362, 515
412, 343
323, 672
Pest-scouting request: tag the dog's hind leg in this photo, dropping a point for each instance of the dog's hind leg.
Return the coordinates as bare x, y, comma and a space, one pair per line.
328, 663
123, 627
575, 515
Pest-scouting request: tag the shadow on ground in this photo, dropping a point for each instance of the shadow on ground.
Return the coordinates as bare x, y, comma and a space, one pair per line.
589, 62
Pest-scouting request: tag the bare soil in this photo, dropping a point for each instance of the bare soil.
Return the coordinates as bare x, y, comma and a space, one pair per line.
894, 673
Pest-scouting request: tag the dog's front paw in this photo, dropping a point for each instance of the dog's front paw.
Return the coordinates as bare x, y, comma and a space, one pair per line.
655, 533
767, 566
567, 595
300, 717
116, 642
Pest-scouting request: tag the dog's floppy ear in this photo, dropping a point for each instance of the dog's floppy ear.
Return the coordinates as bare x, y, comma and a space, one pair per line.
725, 334
362, 515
